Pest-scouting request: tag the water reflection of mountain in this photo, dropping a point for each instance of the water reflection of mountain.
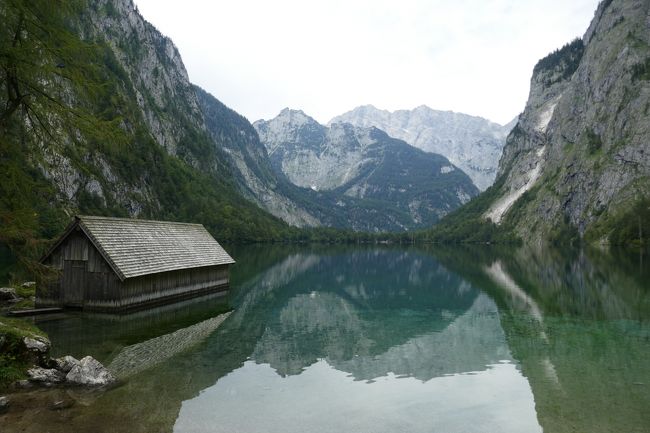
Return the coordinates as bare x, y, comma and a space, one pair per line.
370, 312
594, 284
578, 324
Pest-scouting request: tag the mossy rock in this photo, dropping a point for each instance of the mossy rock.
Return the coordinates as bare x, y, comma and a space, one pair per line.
21, 345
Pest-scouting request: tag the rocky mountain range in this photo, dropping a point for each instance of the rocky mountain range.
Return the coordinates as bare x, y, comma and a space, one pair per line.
366, 165
577, 164
471, 143
108, 123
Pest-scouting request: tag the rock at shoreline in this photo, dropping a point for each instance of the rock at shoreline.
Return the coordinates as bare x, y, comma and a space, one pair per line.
91, 372
28, 284
46, 376
37, 350
66, 363
4, 404
40, 345
7, 294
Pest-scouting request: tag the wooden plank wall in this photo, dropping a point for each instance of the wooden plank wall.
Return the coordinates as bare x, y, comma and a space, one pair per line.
154, 288
101, 284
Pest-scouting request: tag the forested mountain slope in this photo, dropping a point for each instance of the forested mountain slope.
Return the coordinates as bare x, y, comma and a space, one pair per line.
98, 117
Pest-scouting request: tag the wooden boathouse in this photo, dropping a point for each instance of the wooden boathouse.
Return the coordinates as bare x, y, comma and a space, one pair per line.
116, 264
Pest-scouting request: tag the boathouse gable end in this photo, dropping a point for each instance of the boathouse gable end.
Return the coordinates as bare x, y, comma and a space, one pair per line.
114, 264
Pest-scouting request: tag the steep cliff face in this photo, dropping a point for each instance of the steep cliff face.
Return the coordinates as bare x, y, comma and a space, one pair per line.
250, 164
160, 82
121, 129
366, 166
471, 143
578, 161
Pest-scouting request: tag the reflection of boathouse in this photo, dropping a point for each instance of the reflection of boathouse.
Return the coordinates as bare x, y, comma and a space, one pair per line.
116, 264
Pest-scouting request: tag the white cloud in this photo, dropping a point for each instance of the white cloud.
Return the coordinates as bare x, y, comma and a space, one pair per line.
326, 57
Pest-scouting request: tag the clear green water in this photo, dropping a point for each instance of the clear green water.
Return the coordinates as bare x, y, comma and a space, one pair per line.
375, 339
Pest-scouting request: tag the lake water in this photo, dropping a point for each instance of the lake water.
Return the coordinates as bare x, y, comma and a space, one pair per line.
373, 339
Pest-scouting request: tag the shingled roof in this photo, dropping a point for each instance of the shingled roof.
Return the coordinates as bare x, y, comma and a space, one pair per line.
136, 247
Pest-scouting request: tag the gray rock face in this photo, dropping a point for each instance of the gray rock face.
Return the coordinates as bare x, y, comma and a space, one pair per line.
581, 148
155, 66
8, 294
364, 164
471, 143
250, 162
90, 372
313, 156
66, 363
45, 375
167, 110
40, 345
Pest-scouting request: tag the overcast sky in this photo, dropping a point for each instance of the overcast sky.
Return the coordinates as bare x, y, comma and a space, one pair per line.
326, 57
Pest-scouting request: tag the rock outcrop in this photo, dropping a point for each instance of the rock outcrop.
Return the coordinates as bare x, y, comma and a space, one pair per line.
249, 161
8, 295
471, 143
578, 161
71, 372
46, 376
365, 165
90, 372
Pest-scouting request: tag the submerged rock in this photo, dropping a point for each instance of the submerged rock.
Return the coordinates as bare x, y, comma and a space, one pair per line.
23, 384
62, 404
46, 376
4, 404
91, 372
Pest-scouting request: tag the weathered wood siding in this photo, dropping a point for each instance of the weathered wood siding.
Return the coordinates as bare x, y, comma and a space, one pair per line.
87, 281
83, 275
167, 286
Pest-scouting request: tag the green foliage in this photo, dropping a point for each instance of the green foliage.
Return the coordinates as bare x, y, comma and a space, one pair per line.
626, 224
605, 4
109, 9
593, 141
40, 60
12, 368
565, 60
68, 102
468, 225
632, 226
13, 356
19, 328
564, 233
641, 71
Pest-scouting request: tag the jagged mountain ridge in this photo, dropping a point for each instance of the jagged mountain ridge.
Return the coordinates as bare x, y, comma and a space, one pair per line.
364, 164
270, 189
250, 165
577, 165
471, 143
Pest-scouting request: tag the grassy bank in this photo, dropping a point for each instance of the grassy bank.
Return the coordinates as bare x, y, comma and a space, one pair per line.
14, 357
